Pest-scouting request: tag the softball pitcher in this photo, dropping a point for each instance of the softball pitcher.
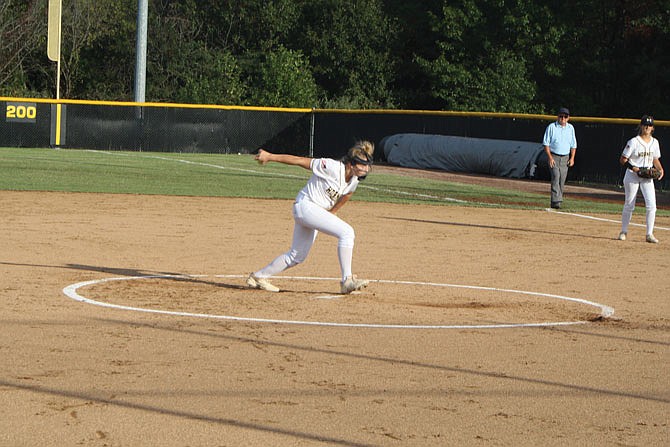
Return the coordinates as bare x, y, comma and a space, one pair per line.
642, 151
331, 185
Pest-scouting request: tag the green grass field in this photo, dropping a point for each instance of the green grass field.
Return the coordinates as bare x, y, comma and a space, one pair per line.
216, 175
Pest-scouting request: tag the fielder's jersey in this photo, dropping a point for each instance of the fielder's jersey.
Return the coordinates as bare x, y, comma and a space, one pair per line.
327, 183
642, 154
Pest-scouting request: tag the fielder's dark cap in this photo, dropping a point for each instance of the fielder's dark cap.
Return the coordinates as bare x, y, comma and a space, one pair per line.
647, 121
563, 111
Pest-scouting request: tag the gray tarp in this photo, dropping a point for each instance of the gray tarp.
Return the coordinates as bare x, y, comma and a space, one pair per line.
503, 158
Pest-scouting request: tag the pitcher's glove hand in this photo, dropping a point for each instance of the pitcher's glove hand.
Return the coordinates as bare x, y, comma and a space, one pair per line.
649, 173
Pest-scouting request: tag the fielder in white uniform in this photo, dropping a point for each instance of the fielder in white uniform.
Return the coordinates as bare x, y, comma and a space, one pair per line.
643, 151
331, 185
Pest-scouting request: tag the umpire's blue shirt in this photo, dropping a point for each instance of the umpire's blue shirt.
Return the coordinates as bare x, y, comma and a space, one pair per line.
560, 139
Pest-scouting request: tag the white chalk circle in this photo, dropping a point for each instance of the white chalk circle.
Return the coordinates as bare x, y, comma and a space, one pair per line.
71, 292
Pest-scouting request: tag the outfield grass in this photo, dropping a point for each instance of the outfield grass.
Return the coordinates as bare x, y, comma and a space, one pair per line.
217, 175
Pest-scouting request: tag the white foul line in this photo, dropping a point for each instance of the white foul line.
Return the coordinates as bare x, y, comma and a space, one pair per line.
602, 219
71, 292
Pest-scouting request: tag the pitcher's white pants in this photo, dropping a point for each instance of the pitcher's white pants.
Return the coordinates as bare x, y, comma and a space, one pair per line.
309, 220
631, 184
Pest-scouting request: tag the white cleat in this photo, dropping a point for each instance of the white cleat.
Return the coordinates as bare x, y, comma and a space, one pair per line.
261, 283
652, 239
622, 236
351, 283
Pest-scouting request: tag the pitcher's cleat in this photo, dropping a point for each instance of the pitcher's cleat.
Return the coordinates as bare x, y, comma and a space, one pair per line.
622, 236
261, 283
351, 283
652, 239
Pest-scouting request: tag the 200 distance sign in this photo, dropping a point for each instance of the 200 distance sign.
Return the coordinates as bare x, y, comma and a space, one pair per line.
21, 112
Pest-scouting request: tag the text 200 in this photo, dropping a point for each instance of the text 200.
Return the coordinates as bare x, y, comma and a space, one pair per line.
21, 112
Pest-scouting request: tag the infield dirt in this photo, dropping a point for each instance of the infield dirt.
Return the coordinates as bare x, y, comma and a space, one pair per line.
74, 373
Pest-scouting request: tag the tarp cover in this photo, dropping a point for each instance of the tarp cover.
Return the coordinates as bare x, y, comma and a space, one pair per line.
502, 158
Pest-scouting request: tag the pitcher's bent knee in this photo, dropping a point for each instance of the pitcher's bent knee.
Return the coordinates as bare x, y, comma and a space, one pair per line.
346, 237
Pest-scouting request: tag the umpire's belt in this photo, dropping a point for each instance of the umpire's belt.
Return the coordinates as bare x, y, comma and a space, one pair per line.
559, 155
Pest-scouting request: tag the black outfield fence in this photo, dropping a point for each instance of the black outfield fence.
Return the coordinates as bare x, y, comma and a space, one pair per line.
321, 133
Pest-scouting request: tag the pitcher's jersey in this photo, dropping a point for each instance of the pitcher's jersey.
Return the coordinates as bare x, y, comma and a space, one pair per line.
642, 154
327, 183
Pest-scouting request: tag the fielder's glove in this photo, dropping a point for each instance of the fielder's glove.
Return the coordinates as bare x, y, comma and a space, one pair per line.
649, 173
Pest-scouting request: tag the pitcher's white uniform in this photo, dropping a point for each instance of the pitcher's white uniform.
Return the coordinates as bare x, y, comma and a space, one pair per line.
642, 155
311, 212
327, 183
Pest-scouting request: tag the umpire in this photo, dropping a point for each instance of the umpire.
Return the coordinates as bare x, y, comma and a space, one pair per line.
560, 144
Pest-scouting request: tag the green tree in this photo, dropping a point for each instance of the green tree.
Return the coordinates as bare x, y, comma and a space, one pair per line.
415, 38
598, 58
83, 23
180, 65
284, 79
207, 76
22, 28
618, 59
489, 53
348, 45
107, 62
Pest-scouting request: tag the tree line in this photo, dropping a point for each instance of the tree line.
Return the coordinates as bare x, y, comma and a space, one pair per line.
598, 57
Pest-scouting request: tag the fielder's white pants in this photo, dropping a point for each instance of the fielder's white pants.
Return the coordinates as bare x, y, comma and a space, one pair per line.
631, 184
309, 220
